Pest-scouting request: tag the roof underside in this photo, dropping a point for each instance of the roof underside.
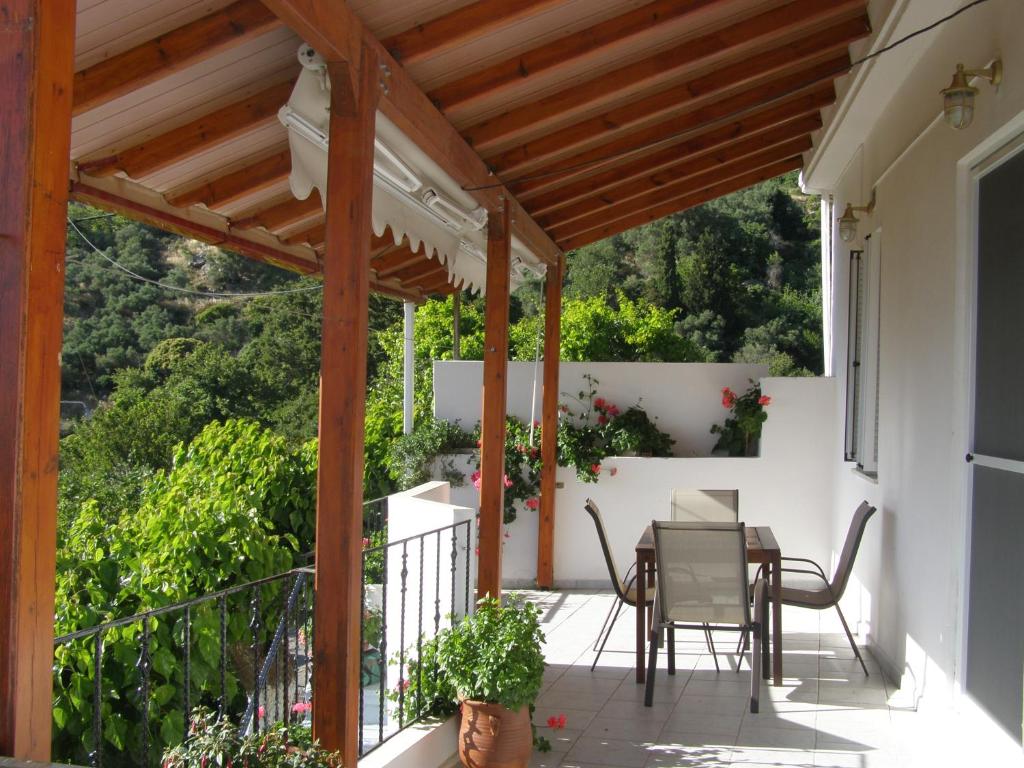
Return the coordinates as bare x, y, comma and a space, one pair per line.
597, 115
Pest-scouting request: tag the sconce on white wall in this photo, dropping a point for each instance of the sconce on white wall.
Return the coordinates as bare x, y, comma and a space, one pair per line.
958, 98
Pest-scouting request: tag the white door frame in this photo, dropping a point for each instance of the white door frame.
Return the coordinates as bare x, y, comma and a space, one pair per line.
996, 149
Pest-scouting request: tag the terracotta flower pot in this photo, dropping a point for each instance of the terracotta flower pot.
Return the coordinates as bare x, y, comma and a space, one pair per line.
492, 736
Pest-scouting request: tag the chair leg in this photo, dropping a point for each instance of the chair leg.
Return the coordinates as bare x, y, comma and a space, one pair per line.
853, 643
711, 644
652, 666
671, 650
607, 634
755, 671
604, 626
741, 649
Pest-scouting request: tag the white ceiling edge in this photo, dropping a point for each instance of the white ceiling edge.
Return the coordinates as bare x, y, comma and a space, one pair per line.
406, 181
871, 87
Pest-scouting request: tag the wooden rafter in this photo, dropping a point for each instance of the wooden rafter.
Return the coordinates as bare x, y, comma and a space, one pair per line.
461, 25
438, 282
282, 214
220, 191
790, 138
682, 203
776, 117
395, 261
584, 45
738, 41
180, 48
188, 140
313, 236
793, 89
758, 71
418, 270
335, 32
654, 195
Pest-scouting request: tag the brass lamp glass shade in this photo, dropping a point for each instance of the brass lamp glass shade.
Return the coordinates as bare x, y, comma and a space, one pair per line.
848, 224
958, 100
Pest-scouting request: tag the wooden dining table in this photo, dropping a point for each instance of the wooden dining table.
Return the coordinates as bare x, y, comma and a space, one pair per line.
762, 549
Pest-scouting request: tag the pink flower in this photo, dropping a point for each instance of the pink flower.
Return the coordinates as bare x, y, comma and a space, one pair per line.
534, 453
301, 707
613, 471
508, 534
366, 542
261, 712
532, 503
508, 483
556, 722
595, 468
728, 397
613, 410
563, 408
602, 419
536, 423
476, 551
764, 400
600, 403
475, 478
520, 448
478, 443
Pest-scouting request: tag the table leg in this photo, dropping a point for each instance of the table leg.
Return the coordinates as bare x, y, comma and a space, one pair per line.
641, 624
777, 618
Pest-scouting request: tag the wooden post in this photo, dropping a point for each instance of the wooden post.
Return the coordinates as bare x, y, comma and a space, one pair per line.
339, 519
549, 425
37, 41
492, 426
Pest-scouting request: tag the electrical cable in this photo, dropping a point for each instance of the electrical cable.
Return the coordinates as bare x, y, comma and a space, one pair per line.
726, 118
190, 291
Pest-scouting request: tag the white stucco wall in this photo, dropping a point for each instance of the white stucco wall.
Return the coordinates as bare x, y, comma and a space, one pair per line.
910, 577
685, 398
788, 487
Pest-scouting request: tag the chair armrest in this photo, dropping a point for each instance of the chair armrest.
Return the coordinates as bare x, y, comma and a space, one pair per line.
820, 575
821, 571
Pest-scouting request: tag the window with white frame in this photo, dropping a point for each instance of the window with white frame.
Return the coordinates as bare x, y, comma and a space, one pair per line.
863, 356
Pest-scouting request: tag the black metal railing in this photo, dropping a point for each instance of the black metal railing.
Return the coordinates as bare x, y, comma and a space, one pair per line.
425, 583
123, 690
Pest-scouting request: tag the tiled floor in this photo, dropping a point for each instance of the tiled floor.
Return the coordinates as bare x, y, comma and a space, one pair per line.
826, 714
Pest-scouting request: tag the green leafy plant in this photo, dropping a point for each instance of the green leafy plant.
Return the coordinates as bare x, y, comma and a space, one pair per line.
373, 560
633, 431
742, 430
425, 691
216, 742
522, 468
411, 456
494, 655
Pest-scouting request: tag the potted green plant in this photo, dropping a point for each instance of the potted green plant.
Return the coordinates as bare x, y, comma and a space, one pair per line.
741, 432
493, 661
216, 741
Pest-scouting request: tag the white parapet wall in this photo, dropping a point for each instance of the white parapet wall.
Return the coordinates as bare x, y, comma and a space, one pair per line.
788, 487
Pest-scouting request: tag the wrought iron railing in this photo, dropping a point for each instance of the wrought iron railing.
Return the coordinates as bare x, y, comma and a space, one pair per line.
124, 689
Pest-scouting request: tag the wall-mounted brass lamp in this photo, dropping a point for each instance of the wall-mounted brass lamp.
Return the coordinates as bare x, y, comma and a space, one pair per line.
848, 221
958, 98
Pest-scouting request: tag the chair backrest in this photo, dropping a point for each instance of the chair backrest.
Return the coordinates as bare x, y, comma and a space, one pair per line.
609, 558
845, 565
702, 572
690, 506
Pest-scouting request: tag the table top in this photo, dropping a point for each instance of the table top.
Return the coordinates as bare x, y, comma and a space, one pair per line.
761, 543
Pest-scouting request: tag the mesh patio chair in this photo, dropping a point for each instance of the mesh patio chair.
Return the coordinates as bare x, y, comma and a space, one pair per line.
702, 582
689, 506
820, 593
704, 506
625, 587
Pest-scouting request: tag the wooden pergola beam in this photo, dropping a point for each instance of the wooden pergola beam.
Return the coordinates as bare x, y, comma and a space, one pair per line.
190, 139
764, 122
394, 261
37, 43
470, 22
176, 50
784, 139
495, 384
656, 195
282, 214
800, 89
579, 46
725, 46
439, 281
255, 177
313, 236
422, 268
549, 425
683, 203
757, 70
335, 31
339, 518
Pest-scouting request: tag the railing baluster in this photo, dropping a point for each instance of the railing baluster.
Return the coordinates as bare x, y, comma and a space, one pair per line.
222, 704
455, 557
143, 665
362, 645
186, 642
401, 636
284, 658
437, 588
254, 627
96, 756
382, 661
469, 531
419, 638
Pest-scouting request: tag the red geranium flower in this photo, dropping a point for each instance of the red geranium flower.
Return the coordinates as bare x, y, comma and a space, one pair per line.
556, 722
599, 403
764, 400
728, 397
602, 419
532, 503
508, 483
595, 468
613, 410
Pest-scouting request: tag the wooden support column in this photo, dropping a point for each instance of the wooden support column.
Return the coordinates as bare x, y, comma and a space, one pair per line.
549, 425
495, 384
36, 53
339, 519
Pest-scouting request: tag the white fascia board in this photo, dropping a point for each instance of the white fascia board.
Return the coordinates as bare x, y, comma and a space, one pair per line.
867, 92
